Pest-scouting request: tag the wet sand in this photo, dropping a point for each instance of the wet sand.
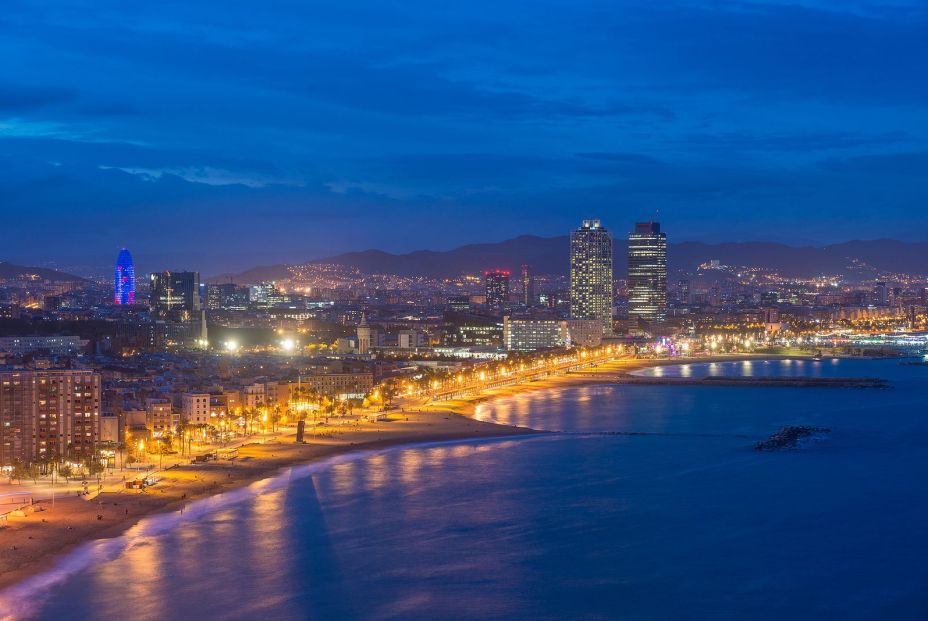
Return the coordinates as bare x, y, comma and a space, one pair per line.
31, 544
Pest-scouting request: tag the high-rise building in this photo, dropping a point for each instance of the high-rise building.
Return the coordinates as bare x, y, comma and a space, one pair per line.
528, 286
48, 414
497, 287
881, 294
647, 273
175, 291
591, 274
226, 296
124, 280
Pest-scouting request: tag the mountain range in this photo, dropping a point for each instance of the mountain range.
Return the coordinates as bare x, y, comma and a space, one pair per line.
549, 255
11, 271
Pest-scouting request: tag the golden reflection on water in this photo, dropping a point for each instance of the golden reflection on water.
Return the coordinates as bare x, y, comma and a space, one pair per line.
345, 477
376, 471
410, 467
137, 578
268, 538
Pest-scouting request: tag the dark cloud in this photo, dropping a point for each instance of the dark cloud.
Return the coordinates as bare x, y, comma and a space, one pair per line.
312, 128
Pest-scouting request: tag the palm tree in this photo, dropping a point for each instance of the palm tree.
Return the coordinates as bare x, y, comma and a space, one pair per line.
388, 392
275, 416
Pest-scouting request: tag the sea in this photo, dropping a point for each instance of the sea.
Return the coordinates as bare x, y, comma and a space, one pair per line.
636, 502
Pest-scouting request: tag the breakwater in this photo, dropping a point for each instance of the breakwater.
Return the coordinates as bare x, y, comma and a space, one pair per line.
782, 382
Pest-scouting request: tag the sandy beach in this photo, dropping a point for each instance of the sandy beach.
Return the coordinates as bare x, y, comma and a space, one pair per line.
33, 542
607, 373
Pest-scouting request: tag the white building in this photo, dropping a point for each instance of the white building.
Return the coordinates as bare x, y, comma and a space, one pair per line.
534, 334
195, 408
255, 395
411, 339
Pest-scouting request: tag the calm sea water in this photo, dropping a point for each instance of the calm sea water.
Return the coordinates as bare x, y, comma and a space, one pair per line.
684, 521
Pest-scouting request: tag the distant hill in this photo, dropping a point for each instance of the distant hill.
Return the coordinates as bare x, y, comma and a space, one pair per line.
549, 255
10, 271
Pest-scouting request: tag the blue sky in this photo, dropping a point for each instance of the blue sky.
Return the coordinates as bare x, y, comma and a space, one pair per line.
214, 135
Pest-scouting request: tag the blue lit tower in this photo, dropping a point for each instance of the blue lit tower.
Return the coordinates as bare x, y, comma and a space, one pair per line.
124, 281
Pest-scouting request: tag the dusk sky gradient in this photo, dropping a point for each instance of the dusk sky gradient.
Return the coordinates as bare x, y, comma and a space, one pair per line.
220, 135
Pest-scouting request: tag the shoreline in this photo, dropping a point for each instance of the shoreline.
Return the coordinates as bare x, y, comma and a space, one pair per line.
35, 543
615, 372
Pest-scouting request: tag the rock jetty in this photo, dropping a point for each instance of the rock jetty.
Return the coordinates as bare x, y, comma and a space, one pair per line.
788, 437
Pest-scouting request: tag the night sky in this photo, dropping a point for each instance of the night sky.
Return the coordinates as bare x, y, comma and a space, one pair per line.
219, 135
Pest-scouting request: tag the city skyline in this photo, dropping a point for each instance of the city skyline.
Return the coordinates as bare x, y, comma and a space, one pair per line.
455, 112
571, 309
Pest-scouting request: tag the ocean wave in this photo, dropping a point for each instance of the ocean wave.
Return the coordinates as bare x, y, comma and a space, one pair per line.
25, 599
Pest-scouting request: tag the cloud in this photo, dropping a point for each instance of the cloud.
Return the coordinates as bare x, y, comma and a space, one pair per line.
309, 126
18, 99
788, 142
913, 164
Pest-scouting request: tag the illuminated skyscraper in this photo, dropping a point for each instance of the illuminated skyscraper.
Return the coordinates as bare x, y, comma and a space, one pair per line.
497, 288
647, 272
591, 274
175, 291
124, 281
528, 287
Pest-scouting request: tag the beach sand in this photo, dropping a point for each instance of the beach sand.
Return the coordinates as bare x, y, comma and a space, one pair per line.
32, 543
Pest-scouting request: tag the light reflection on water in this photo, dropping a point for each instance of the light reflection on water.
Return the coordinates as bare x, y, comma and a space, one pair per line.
568, 526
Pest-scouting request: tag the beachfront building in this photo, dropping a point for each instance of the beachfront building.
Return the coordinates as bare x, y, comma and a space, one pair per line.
195, 408
591, 274
337, 385
160, 418
647, 273
534, 334
53, 414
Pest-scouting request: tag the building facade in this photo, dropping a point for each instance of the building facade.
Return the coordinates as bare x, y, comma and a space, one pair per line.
338, 385
160, 417
195, 408
51, 414
53, 345
364, 336
585, 332
175, 291
647, 273
591, 274
496, 283
124, 279
411, 339
534, 334
528, 286
226, 296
